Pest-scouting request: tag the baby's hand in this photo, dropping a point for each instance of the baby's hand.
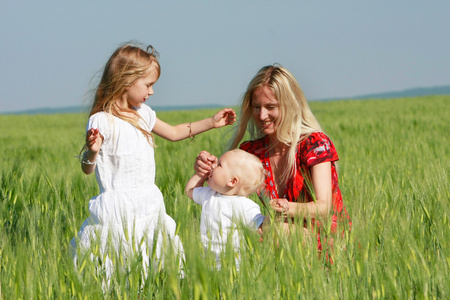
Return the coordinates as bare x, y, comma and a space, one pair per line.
226, 116
94, 140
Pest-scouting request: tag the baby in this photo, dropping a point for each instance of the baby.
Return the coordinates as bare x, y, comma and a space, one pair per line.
224, 201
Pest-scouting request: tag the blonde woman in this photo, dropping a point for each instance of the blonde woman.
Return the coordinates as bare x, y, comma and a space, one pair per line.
300, 160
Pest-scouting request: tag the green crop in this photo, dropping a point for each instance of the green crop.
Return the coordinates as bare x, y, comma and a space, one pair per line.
393, 174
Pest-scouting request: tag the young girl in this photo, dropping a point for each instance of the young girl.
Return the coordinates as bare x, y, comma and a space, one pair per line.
129, 213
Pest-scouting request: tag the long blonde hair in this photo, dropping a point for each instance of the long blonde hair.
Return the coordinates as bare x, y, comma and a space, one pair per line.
295, 122
125, 66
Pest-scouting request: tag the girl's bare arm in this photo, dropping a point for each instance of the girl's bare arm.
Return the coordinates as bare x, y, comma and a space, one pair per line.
182, 131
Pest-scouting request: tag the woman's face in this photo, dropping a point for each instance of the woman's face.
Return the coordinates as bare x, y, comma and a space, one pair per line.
265, 110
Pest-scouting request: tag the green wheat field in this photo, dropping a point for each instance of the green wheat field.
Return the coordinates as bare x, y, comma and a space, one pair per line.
394, 176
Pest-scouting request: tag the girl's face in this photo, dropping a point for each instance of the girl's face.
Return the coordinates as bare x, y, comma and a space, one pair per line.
139, 92
265, 110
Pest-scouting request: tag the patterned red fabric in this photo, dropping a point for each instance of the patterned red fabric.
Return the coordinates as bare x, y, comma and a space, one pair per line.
315, 149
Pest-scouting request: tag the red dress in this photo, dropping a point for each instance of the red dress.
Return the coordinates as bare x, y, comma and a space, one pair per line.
315, 149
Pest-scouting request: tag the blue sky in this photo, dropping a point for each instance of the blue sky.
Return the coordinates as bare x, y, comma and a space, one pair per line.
209, 50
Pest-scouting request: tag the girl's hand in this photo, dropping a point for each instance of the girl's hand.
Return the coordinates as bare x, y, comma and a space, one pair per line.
204, 163
224, 117
94, 140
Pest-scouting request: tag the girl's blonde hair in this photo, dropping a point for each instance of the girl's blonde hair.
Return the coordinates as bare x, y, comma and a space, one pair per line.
125, 66
295, 121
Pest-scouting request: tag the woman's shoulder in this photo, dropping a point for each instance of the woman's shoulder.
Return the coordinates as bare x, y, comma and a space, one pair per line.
317, 147
317, 134
253, 145
314, 137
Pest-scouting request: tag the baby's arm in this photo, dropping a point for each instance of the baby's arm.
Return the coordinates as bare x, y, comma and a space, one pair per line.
264, 225
182, 131
94, 142
196, 181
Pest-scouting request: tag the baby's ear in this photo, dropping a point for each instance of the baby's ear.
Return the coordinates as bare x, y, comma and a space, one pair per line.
233, 182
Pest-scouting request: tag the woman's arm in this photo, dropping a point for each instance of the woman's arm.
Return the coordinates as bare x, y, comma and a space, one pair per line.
321, 180
182, 131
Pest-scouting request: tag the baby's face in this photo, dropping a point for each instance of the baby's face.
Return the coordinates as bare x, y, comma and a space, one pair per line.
222, 174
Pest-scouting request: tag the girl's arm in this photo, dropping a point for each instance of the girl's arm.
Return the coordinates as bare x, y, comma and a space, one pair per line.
182, 131
94, 142
321, 179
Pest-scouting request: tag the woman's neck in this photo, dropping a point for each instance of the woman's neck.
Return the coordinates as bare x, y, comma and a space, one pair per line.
277, 148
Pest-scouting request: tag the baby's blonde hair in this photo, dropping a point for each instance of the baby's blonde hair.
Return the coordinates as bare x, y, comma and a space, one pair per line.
249, 169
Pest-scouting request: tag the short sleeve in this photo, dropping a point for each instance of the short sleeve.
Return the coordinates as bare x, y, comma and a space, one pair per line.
258, 220
102, 122
149, 116
201, 194
249, 212
316, 149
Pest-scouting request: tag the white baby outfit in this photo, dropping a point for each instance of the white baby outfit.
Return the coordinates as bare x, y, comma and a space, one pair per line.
221, 215
130, 206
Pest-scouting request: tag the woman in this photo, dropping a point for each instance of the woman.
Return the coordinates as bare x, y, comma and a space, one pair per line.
299, 158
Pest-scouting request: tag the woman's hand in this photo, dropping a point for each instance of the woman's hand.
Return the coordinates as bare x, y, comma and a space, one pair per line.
204, 163
226, 116
280, 205
321, 207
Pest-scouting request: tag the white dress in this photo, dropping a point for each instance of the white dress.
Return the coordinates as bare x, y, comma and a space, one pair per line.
130, 206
